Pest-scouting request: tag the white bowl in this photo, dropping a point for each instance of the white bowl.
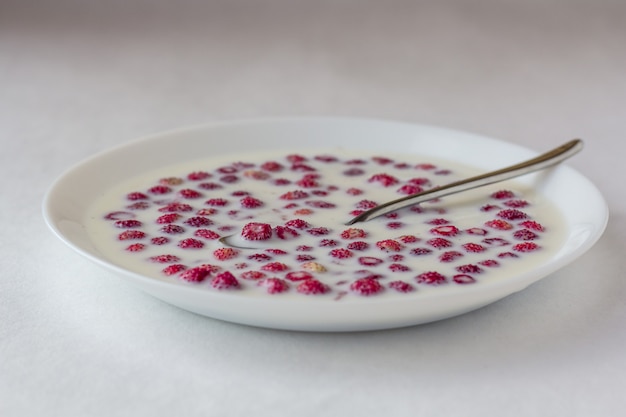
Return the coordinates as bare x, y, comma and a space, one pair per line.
582, 207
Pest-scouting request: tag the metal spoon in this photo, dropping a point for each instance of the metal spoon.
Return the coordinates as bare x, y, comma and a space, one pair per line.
538, 163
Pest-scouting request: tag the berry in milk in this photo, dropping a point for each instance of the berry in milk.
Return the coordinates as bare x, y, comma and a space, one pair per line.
286, 215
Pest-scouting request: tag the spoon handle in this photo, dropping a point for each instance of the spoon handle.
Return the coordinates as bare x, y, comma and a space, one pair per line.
538, 163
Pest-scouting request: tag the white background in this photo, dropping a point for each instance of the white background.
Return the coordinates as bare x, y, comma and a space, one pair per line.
77, 77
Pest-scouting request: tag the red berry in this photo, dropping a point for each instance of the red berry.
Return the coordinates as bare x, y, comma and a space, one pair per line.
473, 247
328, 242
119, 215
525, 234
256, 231
410, 189
532, 225
297, 224
438, 221
196, 274
516, 203
512, 214
285, 233
439, 243
463, 279
198, 176
319, 231
136, 196
168, 218
499, 224
165, 259
495, 241
294, 195
275, 267
320, 204
161, 240
223, 254
210, 186
421, 251
370, 261
353, 172
190, 243
131, 235
353, 233
490, 263
526, 247
160, 189
358, 245
198, 221
260, 257
469, 269
136, 247
341, 253
354, 191
225, 281
207, 234
419, 181
272, 166
216, 202
366, 204
450, 256
250, 202
128, 224
401, 286
502, 194
174, 269
312, 287
298, 275
172, 229
431, 278
389, 245
399, 268
189, 194
176, 207
448, 230
384, 179
274, 285
476, 231
366, 286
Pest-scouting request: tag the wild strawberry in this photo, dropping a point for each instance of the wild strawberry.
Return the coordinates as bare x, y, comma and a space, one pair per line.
328, 242
307, 183
399, 267
499, 224
503, 194
358, 245
463, 279
312, 287
450, 256
389, 245
366, 204
489, 207
320, 204
408, 239
206, 211
419, 181
256, 231
525, 234
194, 274
281, 181
304, 248
447, 230
421, 251
173, 269
473, 247
225, 281
525, 247
384, 179
176, 207
128, 224
401, 286
165, 259
396, 257
256, 175
516, 203
313, 266
136, 247
294, 195
275, 267
260, 257
253, 275
490, 263
495, 241
274, 285
198, 221
160, 189
285, 233
439, 243
507, 255
395, 225
532, 225
131, 235
207, 234
425, 166
469, 269
171, 181
410, 189
304, 258
354, 191
161, 240
476, 231
353, 172
272, 166
250, 202
370, 261
191, 243
298, 275
227, 170
431, 278
168, 218
366, 286
319, 231
189, 193
136, 196
198, 176
216, 202
512, 214
353, 233
296, 158
341, 253
438, 221
297, 224
382, 160
173, 229
210, 186
299, 167
223, 254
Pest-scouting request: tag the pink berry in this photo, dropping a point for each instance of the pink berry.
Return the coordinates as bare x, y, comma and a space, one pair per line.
408, 239
353, 172
353, 233
382, 160
174, 269
320, 204
168, 218
285, 233
490, 263
207, 234
495, 241
476, 231
507, 255
210, 186
512, 214
439, 243
191, 243
421, 251
469, 269
250, 202
128, 224
525, 247
354, 191
272, 166
274, 285
525, 234
489, 207
225, 281
438, 221
223, 254
161, 240
195, 274
275, 267
473, 247
410, 189
160, 189
298, 275
119, 215
450, 256
256, 231
136, 196
131, 235
294, 195
419, 181
516, 203
431, 278
297, 224
165, 259
447, 230
198, 176
366, 286
172, 229
370, 261
341, 253
532, 225
253, 275
395, 225
260, 257
499, 224
138, 205
189, 193
198, 221
136, 247
399, 268
312, 287
229, 179
319, 231
328, 242
502, 194
216, 202
384, 179
463, 279
389, 245
176, 207
401, 286
366, 204
358, 245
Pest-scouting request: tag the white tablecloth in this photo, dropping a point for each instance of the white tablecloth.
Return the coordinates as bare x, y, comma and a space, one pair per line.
78, 77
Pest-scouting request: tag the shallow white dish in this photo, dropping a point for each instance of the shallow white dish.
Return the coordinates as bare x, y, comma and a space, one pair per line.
583, 209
